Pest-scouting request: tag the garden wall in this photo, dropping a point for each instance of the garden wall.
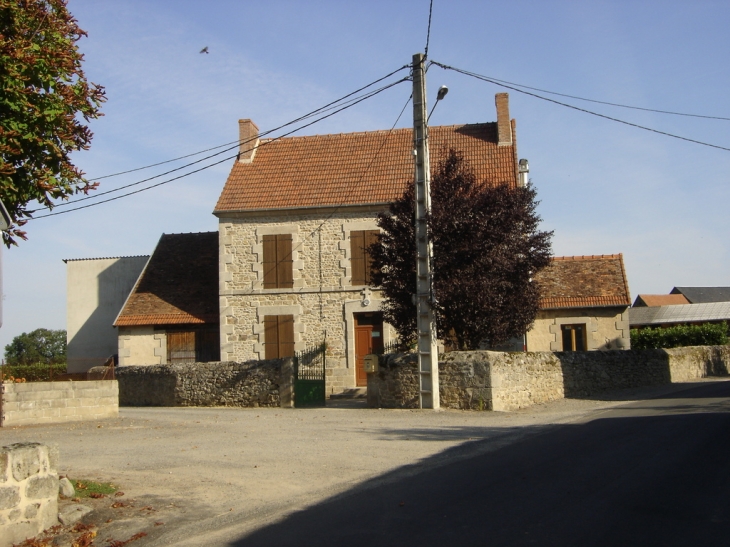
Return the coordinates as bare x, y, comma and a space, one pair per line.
250, 384
487, 380
28, 491
49, 402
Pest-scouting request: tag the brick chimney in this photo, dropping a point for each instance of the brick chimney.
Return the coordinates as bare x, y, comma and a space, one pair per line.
504, 126
248, 135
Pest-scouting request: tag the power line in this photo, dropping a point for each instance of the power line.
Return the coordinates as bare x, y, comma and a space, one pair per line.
351, 104
611, 104
323, 108
495, 82
428, 33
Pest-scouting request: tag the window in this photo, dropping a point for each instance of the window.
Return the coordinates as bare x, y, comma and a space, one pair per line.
574, 337
278, 336
360, 260
278, 263
193, 346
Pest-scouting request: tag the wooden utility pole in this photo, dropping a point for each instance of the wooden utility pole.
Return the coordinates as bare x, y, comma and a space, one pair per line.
428, 365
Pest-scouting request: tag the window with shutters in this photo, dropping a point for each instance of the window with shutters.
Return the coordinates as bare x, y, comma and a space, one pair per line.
574, 337
278, 336
278, 262
360, 260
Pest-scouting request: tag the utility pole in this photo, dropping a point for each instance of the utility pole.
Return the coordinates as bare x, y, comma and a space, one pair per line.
428, 364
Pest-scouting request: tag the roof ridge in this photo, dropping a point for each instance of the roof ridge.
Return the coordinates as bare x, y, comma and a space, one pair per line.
103, 258
373, 132
588, 257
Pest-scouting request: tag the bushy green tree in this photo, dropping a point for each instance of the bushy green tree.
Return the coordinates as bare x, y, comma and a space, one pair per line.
681, 335
487, 249
44, 101
38, 346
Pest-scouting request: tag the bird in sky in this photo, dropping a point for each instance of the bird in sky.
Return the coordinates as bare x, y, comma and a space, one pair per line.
204, 50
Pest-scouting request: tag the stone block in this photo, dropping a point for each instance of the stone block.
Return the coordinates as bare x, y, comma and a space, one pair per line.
4, 465
9, 497
24, 460
42, 487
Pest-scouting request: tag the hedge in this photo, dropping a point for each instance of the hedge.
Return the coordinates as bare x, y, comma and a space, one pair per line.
682, 335
40, 372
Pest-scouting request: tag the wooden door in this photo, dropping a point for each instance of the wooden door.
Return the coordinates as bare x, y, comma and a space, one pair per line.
368, 339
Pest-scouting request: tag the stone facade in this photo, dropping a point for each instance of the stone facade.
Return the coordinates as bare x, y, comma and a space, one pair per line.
28, 491
54, 402
252, 384
489, 380
142, 346
606, 328
323, 299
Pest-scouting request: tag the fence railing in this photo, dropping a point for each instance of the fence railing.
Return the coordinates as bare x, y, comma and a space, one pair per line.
310, 362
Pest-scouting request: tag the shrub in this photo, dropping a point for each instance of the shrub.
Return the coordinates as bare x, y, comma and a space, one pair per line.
39, 372
682, 335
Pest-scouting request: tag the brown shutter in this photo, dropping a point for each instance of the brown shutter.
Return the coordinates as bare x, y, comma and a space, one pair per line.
286, 336
284, 262
357, 260
371, 236
269, 262
271, 336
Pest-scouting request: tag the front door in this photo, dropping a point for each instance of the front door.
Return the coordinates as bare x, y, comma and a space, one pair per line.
368, 339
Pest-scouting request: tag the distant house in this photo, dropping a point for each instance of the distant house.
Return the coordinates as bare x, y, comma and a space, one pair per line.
96, 289
703, 295
171, 314
584, 305
653, 300
687, 314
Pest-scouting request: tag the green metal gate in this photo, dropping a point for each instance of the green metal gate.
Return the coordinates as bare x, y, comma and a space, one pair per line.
309, 371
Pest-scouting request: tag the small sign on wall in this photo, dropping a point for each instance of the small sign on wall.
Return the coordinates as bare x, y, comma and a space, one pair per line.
370, 363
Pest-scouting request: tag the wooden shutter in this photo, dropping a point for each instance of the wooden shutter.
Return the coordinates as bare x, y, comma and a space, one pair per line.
357, 260
278, 263
278, 336
284, 262
371, 236
269, 262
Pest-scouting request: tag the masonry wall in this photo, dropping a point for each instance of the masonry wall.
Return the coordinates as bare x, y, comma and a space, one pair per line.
607, 328
96, 290
142, 346
51, 402
28, 491
488, 380
323, 299
251, 384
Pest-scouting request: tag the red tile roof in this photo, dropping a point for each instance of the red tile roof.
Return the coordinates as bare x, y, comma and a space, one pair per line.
584, 282
356, 168
179, 285
653, 300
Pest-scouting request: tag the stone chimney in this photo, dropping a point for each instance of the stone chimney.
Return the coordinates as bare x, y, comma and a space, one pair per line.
504, 126
248, 135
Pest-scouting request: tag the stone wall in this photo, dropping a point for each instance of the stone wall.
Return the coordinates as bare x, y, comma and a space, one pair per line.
488, 380
251, 384
49, 402
28, 491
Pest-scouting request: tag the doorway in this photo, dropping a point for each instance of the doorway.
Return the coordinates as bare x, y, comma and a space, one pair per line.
368, 339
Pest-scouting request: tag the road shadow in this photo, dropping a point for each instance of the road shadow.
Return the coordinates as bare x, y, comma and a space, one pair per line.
618, 480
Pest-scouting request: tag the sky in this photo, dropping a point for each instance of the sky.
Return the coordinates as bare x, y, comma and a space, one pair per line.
605, 187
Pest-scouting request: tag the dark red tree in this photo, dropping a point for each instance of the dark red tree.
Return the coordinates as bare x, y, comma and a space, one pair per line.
487, 249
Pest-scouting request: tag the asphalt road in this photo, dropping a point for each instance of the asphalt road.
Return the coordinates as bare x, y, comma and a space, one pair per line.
592, 472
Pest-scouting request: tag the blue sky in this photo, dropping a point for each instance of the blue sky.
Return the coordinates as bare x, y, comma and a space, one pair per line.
605, 187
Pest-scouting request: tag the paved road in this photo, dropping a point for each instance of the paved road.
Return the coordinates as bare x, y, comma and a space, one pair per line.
570, 472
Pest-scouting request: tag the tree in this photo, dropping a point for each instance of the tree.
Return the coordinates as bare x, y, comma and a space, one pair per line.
44, 93
39, 346
486, 251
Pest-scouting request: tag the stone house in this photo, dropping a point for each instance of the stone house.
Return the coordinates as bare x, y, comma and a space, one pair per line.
584, 305
171, 314
295, 216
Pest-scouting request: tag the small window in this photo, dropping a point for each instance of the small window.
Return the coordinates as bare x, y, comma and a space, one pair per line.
574, 337
278, 336
278, 263
361, 262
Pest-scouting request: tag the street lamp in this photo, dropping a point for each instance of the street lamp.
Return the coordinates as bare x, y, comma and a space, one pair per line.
443, 90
